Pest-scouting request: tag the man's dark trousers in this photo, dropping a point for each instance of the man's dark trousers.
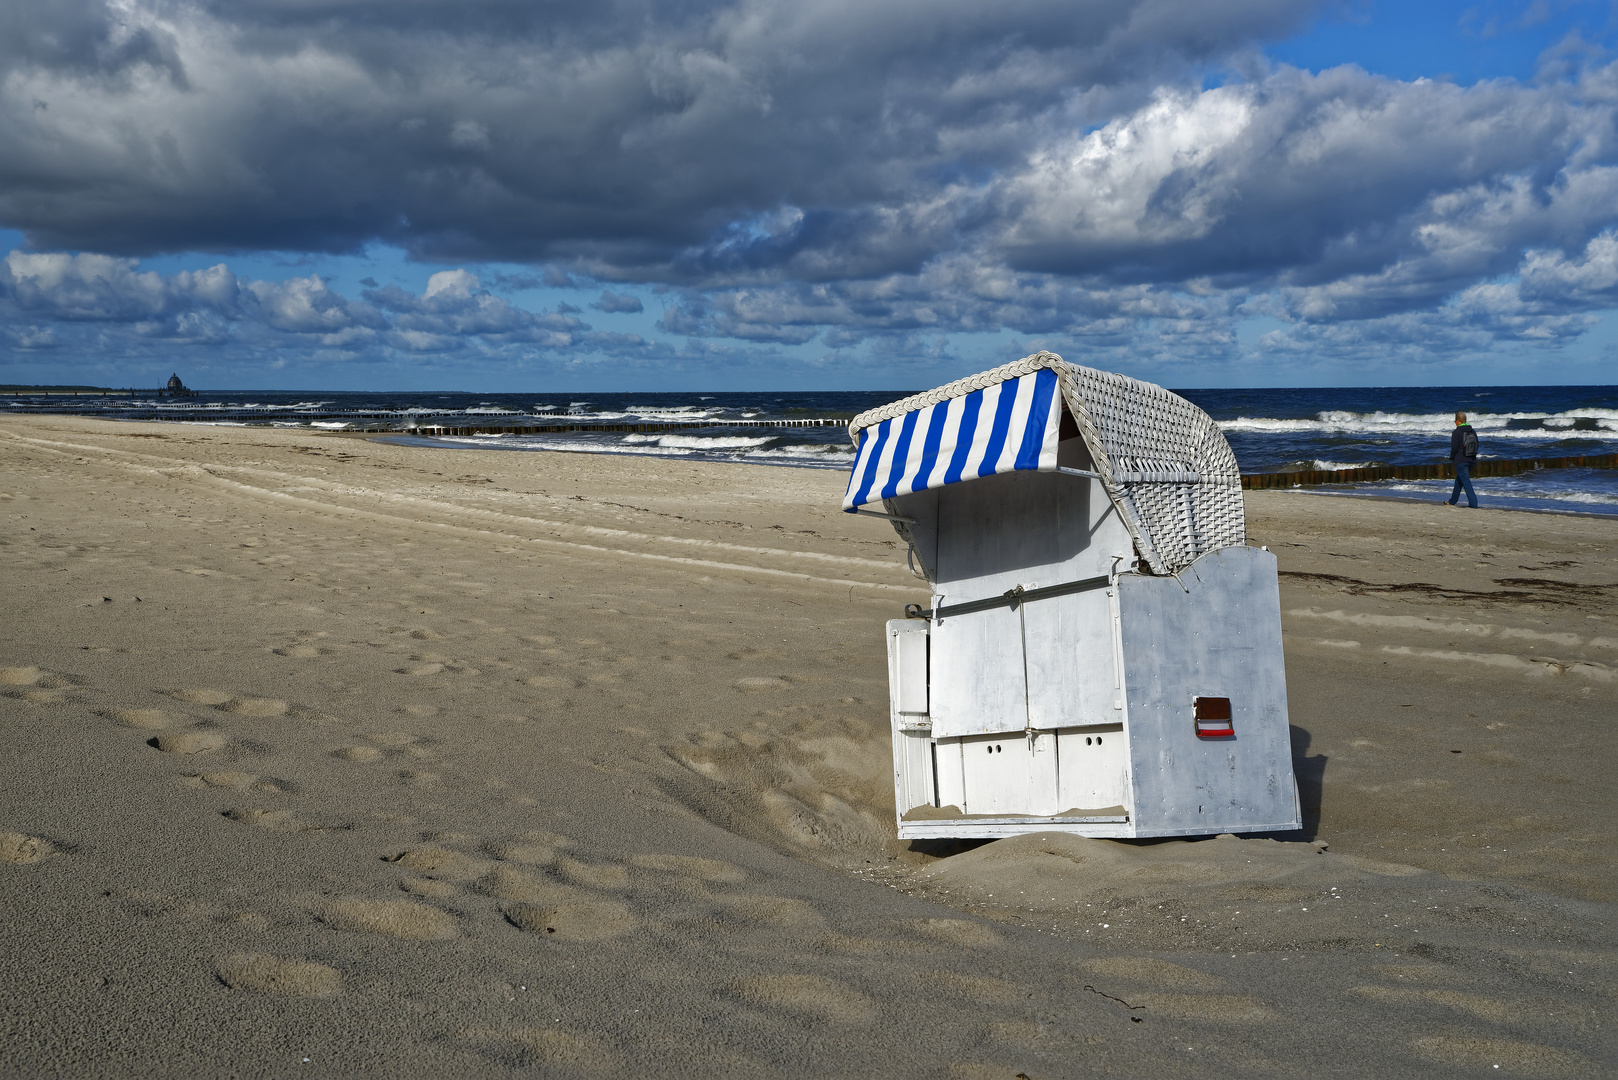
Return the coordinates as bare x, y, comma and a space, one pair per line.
1463, 479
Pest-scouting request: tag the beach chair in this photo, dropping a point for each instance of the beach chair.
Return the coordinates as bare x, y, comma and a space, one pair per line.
1102, 651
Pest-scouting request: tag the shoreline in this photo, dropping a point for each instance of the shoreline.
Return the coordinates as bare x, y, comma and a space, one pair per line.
1482, 505
423, 443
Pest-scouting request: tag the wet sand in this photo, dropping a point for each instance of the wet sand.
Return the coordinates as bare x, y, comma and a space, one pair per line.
326, 756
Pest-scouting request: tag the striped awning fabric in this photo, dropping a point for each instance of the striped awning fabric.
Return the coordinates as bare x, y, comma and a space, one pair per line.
1010, 426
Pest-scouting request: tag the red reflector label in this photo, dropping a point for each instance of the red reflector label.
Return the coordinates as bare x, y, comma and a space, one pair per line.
1213, 718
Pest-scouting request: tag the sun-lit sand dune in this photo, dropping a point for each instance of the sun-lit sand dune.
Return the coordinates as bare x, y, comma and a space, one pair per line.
326, 755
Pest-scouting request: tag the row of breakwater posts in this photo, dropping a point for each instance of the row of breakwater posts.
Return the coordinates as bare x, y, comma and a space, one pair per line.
1441, 471
642, 427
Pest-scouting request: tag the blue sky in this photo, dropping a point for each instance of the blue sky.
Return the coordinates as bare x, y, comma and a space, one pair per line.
819, 195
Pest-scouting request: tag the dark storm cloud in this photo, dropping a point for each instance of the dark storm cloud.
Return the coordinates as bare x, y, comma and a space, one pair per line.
862, 175
623, 134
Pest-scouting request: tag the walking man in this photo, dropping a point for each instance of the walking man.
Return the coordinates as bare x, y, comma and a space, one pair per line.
1463, 451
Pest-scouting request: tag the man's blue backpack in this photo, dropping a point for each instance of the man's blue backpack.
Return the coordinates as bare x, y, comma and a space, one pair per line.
1469, 442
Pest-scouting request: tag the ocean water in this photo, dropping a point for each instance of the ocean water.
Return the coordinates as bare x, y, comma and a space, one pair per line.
1269, 429
1344, 428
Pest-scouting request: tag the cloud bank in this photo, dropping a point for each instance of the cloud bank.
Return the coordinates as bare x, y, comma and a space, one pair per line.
1120, 177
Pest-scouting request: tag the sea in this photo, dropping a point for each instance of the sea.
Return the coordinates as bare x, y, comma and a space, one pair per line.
1270, 430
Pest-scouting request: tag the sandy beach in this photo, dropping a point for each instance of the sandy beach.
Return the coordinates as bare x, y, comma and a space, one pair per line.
328, 756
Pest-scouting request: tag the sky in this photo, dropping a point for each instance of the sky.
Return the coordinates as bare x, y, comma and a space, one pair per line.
530, 195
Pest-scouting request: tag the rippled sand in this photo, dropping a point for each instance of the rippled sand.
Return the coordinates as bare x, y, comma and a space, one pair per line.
461, 763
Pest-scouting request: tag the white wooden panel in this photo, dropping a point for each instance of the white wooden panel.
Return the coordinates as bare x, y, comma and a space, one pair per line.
996, 828
1092, 767
907, 694
990, 535
1010, 774
977, 677
912, 770
1071, 662
1216, 631
948, 773
910, 668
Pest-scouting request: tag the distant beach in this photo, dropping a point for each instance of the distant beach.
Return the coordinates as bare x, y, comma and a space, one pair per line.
1269, 430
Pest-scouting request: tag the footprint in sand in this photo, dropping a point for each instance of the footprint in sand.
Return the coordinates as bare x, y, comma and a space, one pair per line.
440, 862
593, 875
529, 848
430, 668
572, 1051
772, 910
572, 920
47, 685
190, 741
145, 719
506, 883
274, 820
357, 753
301, 652
813, 996
425, 634
278, 975
17, 849
428, 888
394, 918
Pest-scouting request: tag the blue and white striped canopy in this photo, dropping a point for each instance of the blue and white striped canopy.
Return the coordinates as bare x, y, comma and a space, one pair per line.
1007, 427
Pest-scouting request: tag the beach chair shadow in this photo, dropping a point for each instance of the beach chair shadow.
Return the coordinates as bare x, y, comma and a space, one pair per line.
1311, 774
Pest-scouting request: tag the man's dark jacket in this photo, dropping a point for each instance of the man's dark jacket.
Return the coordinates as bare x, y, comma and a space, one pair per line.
1457, 446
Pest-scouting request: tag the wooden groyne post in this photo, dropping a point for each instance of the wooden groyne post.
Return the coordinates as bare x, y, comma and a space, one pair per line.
1439, 471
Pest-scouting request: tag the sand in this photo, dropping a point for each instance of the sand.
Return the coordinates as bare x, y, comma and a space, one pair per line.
331, 756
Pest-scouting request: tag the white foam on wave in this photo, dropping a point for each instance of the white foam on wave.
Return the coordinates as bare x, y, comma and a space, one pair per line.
744, 449
801, 449
700, 442
1591, 497
1343, 422
1541, 491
